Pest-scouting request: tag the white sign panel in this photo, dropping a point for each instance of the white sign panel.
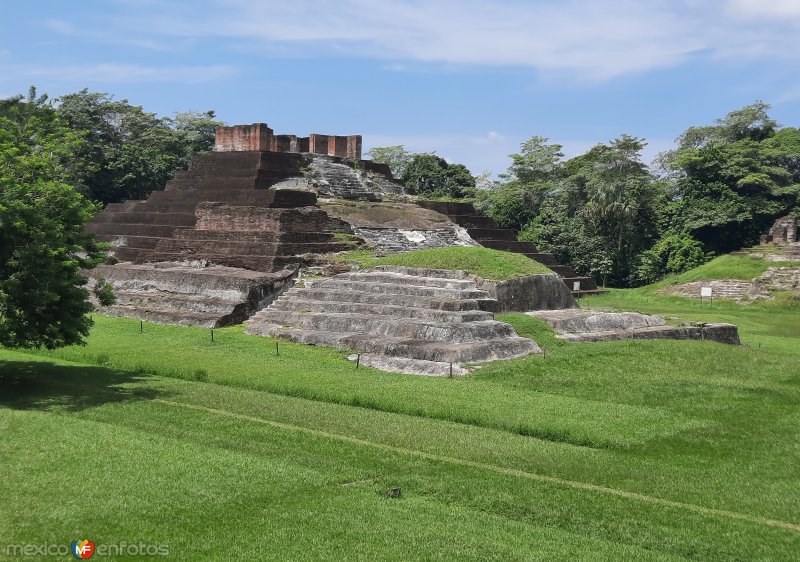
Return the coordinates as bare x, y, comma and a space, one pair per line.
576, 285
705, 291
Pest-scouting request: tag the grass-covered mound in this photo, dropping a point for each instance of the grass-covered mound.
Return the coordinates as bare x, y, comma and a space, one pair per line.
483, 262
725, 267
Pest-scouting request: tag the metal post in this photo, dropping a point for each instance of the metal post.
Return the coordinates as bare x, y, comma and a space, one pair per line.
212, 335
141, 327
276, 348
451, 369
358, 360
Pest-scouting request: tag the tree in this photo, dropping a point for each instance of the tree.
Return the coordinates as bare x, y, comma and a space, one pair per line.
396, 157
42, 245
599, 211
197, 129
534, 173
731, 180
428, 174
132, 152
536, 162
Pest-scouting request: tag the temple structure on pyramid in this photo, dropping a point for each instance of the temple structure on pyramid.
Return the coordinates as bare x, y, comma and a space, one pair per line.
225, 239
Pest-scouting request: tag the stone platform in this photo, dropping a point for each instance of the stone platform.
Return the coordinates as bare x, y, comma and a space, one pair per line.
189, 294
414, 321
586, 325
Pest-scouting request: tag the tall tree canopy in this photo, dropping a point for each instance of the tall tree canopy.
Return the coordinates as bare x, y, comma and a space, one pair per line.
428, 174
42, 244
732, 179
132, 152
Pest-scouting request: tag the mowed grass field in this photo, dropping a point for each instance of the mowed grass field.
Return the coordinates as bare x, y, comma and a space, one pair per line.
652, 450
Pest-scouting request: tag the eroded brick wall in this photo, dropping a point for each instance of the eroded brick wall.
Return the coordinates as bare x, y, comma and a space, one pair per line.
259, 136
243, 137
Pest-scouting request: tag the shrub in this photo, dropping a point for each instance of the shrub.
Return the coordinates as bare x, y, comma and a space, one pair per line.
673, 253
104, 292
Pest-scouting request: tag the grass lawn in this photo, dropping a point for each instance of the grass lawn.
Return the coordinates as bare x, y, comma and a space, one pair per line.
655, 450
483, 262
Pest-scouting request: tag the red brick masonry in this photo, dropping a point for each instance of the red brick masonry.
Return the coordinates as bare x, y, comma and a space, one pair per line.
259, 136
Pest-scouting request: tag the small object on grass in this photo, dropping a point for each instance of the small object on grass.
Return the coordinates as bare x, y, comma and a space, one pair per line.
141, 326
212, 335
451, 369
358, 360
276, 348
394, 492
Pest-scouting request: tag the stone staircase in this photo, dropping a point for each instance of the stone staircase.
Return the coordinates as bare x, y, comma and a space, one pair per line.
485, 231
335, 179
189, 294
419, 321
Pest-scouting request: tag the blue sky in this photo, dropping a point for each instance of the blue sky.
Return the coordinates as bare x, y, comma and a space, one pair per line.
470, 79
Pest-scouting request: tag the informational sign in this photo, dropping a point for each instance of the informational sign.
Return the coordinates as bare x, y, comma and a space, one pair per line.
576, 285
706, 292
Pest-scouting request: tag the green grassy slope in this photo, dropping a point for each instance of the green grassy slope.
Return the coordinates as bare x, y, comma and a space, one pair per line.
725, 267
483, 262
288, 455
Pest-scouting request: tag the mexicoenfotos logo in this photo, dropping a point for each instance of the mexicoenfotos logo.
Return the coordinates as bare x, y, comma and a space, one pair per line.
82, 550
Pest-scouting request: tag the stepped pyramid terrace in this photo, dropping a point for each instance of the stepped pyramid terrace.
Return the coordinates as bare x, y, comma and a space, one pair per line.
252, 231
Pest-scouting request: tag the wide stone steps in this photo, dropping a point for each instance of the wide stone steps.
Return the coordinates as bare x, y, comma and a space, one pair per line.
378, 326
116, 229
488, 233
402, 289
403, 300
304, 305
411, 349
517, 246
129, 217
399, 317
247, 247
391, 277
547, 259
256, 237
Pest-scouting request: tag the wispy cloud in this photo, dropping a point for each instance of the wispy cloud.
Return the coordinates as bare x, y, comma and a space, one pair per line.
771, 9
581, 38
116, 72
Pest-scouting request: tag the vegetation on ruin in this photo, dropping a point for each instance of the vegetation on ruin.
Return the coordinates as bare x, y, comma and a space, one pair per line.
483, 262
303, 444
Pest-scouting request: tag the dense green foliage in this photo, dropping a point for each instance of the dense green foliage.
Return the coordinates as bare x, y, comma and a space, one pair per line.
673, 253
132, 152
731, 180
609, 217
396, 157
428, 174
42, 246
622, 425
483, 262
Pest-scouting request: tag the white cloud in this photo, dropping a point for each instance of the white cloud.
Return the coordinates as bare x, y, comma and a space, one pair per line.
767, 9
116, 72
585, 39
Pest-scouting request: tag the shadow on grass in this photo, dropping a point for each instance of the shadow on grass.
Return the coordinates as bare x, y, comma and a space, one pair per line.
40, 385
